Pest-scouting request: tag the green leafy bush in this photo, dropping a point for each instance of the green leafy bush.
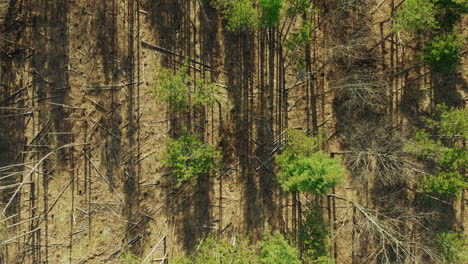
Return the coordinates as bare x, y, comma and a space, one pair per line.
453, 246
450, 12
174, 88
305, 169
205, 93
314, 235
240, 14
273, 249
443, 52
441, 143
300, 38
276, 249
317, 173
416, 15
295, 44
245, 15
188, 157
216, 250
271, 12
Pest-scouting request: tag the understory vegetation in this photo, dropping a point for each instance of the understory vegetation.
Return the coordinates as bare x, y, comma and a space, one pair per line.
442, 143
273, 248
187, 157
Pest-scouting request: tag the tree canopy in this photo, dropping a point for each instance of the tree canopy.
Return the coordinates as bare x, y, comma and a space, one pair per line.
303, 168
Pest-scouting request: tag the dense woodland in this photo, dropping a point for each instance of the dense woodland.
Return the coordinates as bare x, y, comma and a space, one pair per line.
233, 131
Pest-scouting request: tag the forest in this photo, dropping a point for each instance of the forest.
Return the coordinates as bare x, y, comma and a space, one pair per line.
233, 131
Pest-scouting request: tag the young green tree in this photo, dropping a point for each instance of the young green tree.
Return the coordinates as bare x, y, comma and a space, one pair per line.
304, 168
443, 52
453, 247
217, 250
244, 15
442, 143
173, 88
270, 12
272, 249
315, 236
187, 157
240, 14
416, 15
434, 22
276, 249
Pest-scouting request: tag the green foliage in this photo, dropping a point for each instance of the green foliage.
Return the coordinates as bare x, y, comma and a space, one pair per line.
416, 15
240, 14
174, 88
216, 251
305, 169
453, 246
298, 143
443, 52
300, 38
205, 94
442, 143
271, 12
276, 249
244, 15
187, 158
314, 235
273, 249
317, 173
296, 43
449, 12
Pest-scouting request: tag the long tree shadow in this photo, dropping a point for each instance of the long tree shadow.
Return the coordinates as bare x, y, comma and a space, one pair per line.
107, 44
445, 86
12, 58
187, 207
239, 64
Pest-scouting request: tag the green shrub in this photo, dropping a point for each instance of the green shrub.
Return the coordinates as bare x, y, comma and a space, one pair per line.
273, 249
441, 143
174, 89
443, 52
450, 12
240, 14
276, 249
314, 235
205, 93
416, 15
188, 157
217, 250
299, 39
271, 12
244, 15
453, 246
305, 169
317, 173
